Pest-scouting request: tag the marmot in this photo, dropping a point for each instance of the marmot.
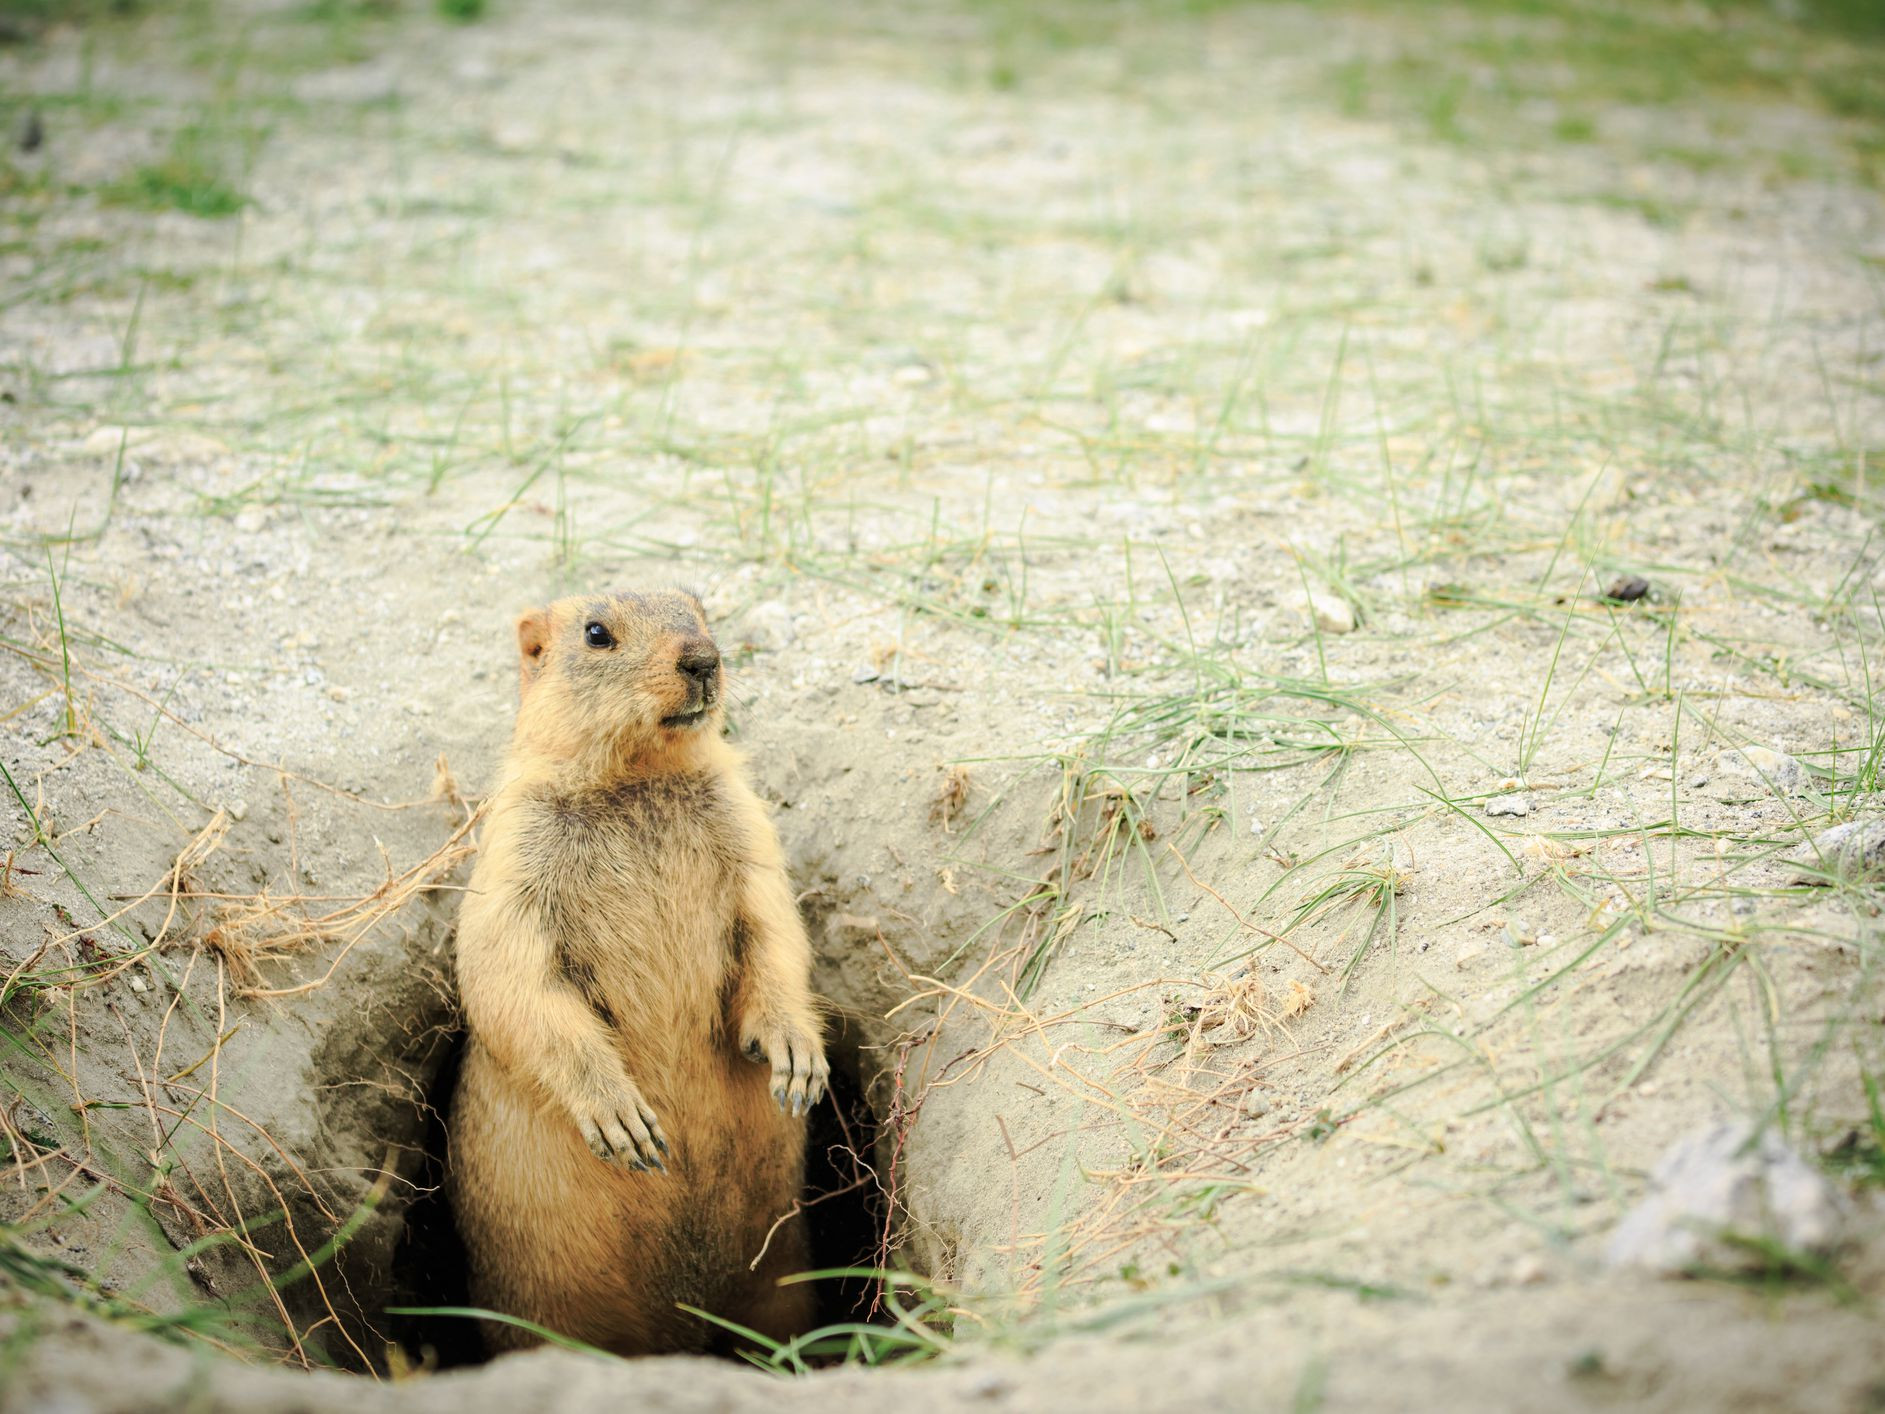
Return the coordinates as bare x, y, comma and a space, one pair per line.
636, 981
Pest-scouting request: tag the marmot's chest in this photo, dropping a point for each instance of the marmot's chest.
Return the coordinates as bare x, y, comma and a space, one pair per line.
643, 863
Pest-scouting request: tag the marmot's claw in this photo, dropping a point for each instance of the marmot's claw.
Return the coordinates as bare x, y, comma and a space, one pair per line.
799, 1070
630, 1135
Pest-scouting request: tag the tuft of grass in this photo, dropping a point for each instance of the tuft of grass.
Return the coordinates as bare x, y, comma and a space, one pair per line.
918, 1328
479, 1313
26, 1269
193, 177
1859, 1158
1774, 1268
918, 1321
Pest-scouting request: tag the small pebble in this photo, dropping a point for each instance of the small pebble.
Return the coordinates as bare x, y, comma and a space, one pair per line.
1509, 805
1332, 614
1627, 589
863, 674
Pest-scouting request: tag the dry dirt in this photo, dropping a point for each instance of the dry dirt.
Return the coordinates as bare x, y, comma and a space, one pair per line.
1154, 504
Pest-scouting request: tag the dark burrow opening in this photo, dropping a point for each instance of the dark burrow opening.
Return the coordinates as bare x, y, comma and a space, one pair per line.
843, 1206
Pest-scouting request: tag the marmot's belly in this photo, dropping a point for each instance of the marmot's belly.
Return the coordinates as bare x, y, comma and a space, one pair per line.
599, 1251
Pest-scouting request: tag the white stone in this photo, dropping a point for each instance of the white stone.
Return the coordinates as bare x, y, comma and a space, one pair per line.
1723, 1179
1332, 614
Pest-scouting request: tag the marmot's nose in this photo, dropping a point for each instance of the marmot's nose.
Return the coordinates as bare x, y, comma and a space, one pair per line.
699, 658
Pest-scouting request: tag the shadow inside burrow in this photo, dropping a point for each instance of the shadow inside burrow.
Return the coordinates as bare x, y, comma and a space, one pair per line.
429, 1268
843, 1206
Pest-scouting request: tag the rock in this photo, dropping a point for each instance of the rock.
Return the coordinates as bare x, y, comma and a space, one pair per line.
1331, 613
1723, 1180
1753, 772
1849, 853
1520, 804
1627, 589
864, 673
767, 627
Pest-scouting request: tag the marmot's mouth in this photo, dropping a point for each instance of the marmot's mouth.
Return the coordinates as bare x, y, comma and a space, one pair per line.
682, 720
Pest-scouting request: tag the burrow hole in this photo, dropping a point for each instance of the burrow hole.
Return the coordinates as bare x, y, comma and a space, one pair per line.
844, 1208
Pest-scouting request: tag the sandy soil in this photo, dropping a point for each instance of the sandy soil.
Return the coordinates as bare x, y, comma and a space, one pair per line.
1156, 505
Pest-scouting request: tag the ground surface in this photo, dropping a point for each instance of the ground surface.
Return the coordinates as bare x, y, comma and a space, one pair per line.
1157, 473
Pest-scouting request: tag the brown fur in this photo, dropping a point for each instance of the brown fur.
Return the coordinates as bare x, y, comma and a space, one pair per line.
628, 949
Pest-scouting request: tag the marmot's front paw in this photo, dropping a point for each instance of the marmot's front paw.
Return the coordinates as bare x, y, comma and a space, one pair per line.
624, 1129
799, 1071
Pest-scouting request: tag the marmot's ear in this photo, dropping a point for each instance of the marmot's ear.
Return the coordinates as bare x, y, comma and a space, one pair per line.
533, 637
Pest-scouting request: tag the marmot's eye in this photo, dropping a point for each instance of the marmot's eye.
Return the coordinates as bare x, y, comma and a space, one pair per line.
596, 636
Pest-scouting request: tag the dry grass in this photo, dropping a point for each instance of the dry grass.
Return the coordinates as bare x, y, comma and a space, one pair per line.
252, 934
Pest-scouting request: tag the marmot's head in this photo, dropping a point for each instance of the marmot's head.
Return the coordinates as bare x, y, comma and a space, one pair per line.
634, 673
